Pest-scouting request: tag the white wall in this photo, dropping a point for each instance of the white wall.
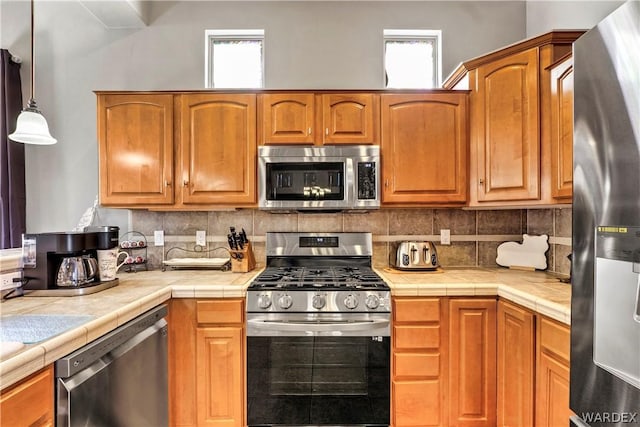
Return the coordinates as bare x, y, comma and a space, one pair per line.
547, 15
308, 45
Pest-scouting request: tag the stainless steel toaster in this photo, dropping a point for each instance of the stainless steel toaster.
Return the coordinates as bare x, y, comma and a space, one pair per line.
413, 255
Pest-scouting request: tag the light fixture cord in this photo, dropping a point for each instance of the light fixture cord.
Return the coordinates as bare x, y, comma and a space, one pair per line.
33, 58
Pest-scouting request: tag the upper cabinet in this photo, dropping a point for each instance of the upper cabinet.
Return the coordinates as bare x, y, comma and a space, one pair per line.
424, 148
177, 150
135, 146
562, 128
287, 118
300, 118
511, 122
218, 148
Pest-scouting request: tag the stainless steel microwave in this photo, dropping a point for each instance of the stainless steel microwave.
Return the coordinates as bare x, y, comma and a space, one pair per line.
319, 178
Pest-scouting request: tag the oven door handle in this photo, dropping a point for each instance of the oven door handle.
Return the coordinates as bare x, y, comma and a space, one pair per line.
318, 326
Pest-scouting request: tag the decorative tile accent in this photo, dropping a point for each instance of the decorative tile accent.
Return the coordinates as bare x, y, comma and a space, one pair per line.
184, 223
457, 254
456, 220
540, 221
410, 221
317, 222
563, 222
375, 222
265, 221
511, 221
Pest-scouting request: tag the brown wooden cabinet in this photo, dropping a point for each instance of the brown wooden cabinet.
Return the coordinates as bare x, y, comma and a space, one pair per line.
303, 118
424, 148
218, 148
516, 366
135, 135
212, 135
206, 362
562, 128
352, 118
418, 391
29, 402
510, 120
552, 373
505, 120
472, 362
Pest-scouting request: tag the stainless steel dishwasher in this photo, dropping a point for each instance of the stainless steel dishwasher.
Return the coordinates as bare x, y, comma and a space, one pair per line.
119, 379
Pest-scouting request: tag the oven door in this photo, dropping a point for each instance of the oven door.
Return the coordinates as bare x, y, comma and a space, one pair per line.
314, 371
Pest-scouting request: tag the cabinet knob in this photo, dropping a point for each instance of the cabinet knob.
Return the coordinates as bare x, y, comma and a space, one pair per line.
309, 131
185, 183
326, 131
386, 183
167, 183
481, 181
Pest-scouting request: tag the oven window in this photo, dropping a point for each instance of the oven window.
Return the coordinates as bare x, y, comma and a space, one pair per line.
305, 181
318, 380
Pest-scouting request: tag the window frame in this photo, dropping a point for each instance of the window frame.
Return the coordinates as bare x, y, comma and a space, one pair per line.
418, 35
235, 34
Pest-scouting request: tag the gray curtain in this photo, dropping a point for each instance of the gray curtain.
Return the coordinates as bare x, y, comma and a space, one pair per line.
12, 186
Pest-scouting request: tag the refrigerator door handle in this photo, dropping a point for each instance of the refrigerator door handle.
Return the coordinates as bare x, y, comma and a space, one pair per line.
636, 312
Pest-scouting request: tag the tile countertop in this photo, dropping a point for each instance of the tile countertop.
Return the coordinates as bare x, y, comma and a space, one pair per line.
141, 291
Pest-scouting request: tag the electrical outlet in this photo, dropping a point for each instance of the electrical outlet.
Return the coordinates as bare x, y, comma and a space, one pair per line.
158, 238
445, 236
6, 280
201, 238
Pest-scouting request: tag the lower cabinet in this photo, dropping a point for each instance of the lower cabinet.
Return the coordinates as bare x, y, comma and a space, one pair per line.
206, 357
477, 362
29, 402
444, 360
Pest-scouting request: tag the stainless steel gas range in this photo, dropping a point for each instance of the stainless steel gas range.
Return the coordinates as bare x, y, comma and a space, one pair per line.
318, 334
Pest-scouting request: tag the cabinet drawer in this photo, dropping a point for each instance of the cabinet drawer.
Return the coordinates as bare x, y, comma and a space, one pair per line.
220, 311
418, 337
416, 310
555, 338
30, 402
417, 403
416, 365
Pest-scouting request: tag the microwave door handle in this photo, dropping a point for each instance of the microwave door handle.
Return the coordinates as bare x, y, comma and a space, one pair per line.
349, 183
314, 326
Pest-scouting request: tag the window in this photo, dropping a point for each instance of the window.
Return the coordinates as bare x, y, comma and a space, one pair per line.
234, 59
412, 58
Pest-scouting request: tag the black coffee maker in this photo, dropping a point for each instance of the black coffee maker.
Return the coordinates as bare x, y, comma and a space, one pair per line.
66, 262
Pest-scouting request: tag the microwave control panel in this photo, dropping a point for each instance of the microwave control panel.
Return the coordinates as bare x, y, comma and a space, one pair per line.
366, 180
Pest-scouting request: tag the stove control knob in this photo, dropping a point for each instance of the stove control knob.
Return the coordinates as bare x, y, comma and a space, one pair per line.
285, 301
318, 301
264, 301
351, 301
372, 301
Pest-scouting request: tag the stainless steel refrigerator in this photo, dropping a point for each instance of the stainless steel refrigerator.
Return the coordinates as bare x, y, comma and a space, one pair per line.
605, 304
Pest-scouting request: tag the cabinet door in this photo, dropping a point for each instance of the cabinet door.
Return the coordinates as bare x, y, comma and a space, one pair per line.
220, 388
287, 118
135, 144
424, 148
516, 353
29, 402
350, 118
506, 142
552, 374
562, 129
418, 363
218, 148
472, 362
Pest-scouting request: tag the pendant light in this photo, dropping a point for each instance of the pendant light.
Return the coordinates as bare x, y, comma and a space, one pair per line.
32, 127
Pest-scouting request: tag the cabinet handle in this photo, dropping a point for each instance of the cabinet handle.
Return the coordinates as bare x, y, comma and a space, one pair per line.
167, 183
326, 131
309, 131
185, 183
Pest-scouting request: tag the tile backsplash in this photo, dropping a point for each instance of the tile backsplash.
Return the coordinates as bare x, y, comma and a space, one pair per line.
475, 235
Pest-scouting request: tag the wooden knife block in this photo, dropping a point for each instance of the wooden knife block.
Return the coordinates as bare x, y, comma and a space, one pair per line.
243, 260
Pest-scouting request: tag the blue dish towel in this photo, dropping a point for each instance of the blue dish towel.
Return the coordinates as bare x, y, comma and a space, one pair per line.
33, 328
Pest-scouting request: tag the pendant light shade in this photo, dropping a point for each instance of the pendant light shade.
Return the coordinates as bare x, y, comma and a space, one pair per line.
31, 127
